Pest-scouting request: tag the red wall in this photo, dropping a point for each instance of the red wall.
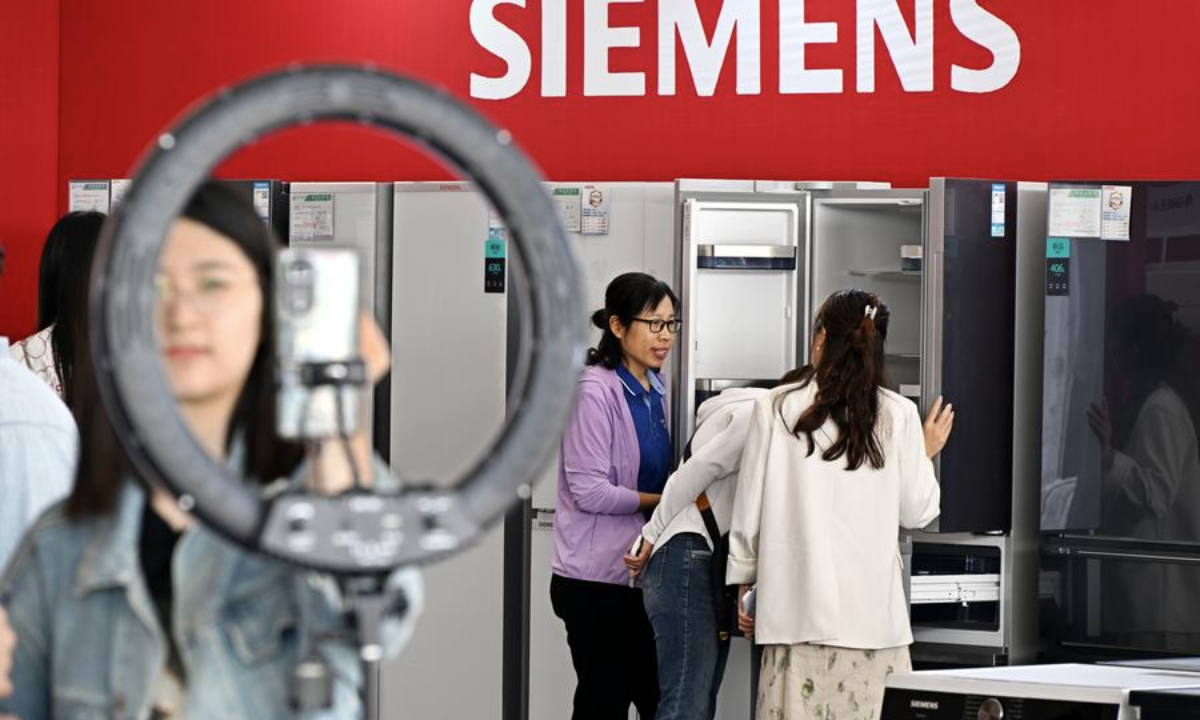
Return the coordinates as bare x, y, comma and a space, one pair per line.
1105, 88
28, 153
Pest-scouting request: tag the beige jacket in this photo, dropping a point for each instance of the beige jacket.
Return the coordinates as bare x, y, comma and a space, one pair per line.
820, 540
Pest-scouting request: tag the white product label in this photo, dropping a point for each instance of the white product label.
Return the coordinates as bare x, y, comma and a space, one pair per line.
1075, 212
311, 217
84, 196
567, 205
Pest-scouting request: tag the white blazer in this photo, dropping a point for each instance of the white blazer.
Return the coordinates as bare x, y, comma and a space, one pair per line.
821, 540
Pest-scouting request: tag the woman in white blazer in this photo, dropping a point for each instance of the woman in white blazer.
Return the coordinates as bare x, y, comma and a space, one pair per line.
834, 465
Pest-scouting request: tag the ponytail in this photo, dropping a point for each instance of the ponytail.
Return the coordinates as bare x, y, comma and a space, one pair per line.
848, 379
608, 351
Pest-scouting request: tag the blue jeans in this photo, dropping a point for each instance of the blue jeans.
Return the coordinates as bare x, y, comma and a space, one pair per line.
678, 593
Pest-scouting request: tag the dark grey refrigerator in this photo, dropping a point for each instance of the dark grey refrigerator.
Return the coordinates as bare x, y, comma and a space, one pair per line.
1120, 473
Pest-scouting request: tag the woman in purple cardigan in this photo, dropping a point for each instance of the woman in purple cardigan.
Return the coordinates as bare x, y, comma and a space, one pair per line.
615, 459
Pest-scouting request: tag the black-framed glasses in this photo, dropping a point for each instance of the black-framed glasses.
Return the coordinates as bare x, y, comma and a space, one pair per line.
657, 325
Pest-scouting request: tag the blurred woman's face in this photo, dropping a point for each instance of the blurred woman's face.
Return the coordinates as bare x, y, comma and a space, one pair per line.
209, 313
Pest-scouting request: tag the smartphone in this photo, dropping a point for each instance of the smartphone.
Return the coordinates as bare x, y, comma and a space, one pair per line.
749, 600
316, 310
636, 550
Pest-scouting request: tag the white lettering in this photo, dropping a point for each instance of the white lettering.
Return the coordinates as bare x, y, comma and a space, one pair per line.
985, 29
705, 60
794, 35
554, 48
598, 39
501, 41
680, 27
912, 56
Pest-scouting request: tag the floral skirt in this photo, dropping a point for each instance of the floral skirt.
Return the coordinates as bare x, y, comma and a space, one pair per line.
821, 682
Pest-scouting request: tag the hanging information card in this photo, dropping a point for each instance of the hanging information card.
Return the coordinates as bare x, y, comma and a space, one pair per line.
595, 210
1115, 212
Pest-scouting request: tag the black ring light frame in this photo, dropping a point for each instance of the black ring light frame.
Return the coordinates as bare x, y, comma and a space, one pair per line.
354, 533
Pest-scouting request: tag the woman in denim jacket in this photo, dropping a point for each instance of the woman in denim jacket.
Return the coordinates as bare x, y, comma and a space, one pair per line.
123, 606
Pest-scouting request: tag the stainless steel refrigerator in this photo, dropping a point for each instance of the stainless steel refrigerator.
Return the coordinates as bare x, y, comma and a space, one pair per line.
269, 198
356, 215
757, 260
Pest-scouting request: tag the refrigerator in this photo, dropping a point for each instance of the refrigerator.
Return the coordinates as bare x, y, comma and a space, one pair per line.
973, 590
945, 259
488, 623
357, 215
269, 198
741, 276
1120, 474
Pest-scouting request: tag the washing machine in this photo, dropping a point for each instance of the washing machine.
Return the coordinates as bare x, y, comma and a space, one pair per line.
1177, 704
1035, 692
1167, 704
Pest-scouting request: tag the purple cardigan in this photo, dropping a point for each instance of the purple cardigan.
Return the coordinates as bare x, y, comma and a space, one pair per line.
596, 517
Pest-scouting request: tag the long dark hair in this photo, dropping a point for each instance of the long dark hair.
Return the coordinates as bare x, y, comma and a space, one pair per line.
848, 377
62, 287
103, 465
626, 296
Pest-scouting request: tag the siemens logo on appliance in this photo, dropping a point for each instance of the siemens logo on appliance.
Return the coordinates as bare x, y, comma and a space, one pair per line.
923, 704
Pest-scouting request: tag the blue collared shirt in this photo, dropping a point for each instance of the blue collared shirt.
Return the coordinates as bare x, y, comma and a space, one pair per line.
654, 437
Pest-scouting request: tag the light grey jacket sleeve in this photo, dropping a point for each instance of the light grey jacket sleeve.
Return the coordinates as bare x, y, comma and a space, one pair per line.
718, 456
748, 498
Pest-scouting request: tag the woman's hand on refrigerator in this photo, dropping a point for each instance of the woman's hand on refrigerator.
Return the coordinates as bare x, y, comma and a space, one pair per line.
937, 427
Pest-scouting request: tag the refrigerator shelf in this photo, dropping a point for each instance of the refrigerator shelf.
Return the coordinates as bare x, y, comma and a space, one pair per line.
887, 274
746, 257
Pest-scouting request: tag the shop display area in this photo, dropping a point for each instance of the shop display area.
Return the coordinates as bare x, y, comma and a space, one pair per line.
1019, 183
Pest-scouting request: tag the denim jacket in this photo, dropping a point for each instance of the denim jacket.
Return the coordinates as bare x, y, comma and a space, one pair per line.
90, 645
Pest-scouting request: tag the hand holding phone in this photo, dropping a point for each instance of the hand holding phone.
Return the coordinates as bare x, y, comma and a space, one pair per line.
317, 317
746, 609
749, 601
638, 557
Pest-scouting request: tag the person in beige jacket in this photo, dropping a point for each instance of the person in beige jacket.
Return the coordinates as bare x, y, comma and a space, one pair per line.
834, 465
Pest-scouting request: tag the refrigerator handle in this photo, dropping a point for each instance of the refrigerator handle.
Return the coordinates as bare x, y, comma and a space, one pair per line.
931, 341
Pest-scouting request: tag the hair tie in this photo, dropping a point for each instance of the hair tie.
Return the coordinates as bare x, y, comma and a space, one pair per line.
869, 311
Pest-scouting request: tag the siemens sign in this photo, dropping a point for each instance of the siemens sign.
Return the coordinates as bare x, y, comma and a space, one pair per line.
679, 22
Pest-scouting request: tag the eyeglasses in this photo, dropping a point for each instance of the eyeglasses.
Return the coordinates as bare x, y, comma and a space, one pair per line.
206, 295
657, 326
